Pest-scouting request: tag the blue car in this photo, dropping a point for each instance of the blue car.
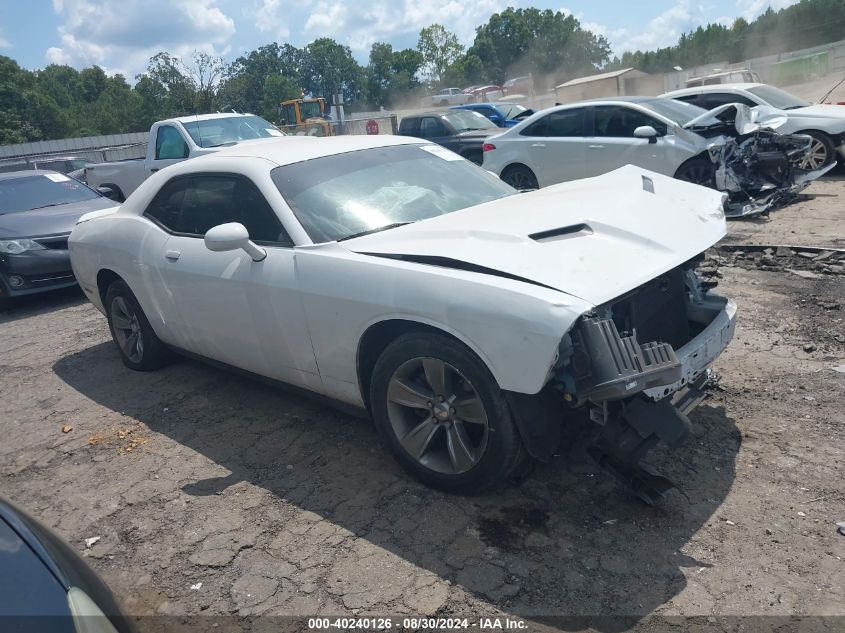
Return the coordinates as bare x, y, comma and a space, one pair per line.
502, 114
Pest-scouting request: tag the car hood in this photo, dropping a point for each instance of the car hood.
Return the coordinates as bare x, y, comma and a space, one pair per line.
829, 111
478, 134
49, 220
595, 238
746, 121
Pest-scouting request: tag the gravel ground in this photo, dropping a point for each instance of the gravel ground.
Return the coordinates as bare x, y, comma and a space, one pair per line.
216, 496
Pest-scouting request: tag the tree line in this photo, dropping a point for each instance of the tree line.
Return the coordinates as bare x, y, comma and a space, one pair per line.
60, 102
803, 25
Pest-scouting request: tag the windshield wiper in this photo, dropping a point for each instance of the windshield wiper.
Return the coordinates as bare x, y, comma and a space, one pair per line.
44, 206
376, 230
222, 144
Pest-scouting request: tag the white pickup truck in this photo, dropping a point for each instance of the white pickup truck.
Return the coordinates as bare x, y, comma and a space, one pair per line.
446, 97
175, 140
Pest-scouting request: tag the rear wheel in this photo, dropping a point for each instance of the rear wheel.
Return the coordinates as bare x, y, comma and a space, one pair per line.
443, 415
821, 152
520, 177
140, 348
698, 171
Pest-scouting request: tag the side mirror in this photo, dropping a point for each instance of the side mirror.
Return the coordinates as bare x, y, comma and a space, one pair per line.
108, 192
646, 131
231, 237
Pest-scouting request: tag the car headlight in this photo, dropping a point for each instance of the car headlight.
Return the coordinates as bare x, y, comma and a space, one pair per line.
87, 616
16, 247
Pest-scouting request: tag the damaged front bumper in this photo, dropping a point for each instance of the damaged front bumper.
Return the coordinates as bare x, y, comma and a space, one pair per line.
746, 206
641, 393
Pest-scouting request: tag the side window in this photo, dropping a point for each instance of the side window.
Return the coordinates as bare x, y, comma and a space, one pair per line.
620, 122
566, 123
693, 99
409, 126
538, 128
192, 205
170, 144
430, 127
715, 99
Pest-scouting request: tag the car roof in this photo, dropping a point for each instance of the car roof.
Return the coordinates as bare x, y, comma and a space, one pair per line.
206, 117
294, 149
428, 113
628, 99
715, 88
10, 175
497, 104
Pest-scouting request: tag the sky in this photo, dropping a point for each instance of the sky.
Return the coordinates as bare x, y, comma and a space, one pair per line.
121, 35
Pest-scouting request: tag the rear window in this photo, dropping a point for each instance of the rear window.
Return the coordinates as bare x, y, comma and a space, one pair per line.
41, 190
335, 197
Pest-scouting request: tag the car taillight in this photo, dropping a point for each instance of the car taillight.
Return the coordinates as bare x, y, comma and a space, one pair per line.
488, 147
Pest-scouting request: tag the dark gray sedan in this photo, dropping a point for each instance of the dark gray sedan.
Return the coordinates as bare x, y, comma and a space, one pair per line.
38, 209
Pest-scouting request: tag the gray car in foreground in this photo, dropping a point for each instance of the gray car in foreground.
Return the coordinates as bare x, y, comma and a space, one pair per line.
38, 210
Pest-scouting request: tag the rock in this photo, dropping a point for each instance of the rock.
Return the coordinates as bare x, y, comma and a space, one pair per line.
809, 347
89, 542
783, 251
769, 531
250, 590
481, 577
804, 274
807, 255
823, 256
768, 251
768, 260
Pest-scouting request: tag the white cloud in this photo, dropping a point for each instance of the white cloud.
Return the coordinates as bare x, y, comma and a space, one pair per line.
750, 9
358, 26
270, 16
121, 37
4, 43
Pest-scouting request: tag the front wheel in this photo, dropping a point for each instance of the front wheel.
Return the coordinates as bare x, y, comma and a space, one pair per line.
443, 415
140, 348
698, 171
820, 154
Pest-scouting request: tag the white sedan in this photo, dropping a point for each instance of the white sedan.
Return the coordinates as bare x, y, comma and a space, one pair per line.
824, 122
390, 274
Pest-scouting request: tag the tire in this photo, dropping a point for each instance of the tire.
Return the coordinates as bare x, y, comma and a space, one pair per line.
699, 171
147, 352
520, 177
822, 152
443, 102
465, 448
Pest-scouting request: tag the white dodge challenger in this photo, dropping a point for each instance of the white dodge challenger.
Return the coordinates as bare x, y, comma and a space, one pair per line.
472, 322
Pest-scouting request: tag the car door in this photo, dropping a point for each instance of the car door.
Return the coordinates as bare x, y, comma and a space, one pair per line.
554, 148
170, 147
223, 305
613, 144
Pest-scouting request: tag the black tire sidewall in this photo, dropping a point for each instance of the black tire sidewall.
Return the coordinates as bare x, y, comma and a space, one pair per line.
508, 173
697, 162
503, 443
155, 353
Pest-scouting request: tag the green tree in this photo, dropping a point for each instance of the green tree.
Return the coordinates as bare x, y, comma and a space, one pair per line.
277, 88
439, 49
331, 69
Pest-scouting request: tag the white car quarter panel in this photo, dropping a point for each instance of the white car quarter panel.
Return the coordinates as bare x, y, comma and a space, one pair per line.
514, 327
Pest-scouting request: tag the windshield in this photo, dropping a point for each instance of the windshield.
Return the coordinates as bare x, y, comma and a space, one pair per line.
335, 197
214, 132
777, 98
512, 110
310, 110
677, 111
466, 120
41, 190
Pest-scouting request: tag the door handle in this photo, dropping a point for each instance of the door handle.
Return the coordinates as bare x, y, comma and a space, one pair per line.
595, 146
172, 255
538, 144
153, 169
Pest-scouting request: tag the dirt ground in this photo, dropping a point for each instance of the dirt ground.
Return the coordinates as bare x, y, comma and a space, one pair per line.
216, 496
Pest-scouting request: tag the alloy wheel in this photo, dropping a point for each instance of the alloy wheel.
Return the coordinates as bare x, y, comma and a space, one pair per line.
437, 415
816, 158
127, 329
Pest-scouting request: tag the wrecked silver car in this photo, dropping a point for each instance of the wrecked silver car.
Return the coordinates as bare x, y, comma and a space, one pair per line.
757, 167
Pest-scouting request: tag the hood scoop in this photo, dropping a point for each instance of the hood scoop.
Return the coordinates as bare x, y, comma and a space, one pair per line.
564, 232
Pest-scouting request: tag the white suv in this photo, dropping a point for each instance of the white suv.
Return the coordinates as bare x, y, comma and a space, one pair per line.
825, 123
